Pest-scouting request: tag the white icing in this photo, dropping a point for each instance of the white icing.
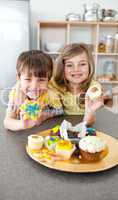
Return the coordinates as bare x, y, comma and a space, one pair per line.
91, 144
35, 141
94, 95
67, 126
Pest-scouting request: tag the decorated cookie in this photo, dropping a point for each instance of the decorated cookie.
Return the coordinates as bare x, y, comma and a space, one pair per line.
94, 92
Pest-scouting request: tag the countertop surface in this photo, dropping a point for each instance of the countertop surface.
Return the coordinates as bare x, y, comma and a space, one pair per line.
21, 178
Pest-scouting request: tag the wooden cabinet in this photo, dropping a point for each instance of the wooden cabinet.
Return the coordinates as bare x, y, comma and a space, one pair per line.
54, 34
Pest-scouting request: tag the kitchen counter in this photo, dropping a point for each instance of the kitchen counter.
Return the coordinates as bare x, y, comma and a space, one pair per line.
21, 178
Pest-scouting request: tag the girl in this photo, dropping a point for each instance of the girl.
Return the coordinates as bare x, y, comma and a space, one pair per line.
72, 78
30, 101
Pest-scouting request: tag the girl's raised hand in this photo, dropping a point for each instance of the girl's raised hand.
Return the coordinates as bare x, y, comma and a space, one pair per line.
93, 105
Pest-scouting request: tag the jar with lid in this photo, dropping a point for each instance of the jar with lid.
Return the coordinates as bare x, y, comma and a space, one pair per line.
102, 46
109, 43
116, 43
109, 70
91, 12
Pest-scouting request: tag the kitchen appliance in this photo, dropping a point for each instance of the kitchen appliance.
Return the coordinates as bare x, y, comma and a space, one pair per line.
14, 38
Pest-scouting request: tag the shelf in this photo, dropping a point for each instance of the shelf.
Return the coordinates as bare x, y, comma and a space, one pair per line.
90, 32
106, 54
52, 23
64, 22
81, 23
109, 23
108, 82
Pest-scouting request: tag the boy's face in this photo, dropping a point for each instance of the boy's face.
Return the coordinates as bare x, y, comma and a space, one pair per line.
33, 86
77, 69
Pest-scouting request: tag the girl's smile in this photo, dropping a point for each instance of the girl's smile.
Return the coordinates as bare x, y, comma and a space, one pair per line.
77, 69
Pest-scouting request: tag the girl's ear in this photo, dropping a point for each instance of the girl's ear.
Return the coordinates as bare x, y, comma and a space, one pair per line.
17, 76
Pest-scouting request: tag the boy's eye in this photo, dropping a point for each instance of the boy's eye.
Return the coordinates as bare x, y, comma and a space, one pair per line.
42, 79
27, 79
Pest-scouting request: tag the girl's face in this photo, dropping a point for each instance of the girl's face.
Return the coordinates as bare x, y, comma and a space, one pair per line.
76, 69
32, 86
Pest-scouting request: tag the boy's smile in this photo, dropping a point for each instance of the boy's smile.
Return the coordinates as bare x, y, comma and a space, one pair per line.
33, 86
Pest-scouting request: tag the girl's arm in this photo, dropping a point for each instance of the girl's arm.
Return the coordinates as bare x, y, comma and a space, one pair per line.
89, 117
90, 108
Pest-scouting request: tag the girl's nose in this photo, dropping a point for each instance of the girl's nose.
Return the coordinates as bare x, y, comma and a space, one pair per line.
76, 67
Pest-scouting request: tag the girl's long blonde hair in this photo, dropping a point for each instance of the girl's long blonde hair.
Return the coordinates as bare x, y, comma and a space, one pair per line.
68, 52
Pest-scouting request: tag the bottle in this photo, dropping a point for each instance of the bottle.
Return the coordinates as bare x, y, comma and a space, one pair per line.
116, 43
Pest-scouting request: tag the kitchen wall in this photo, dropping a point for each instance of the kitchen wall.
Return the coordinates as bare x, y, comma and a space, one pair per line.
56, 10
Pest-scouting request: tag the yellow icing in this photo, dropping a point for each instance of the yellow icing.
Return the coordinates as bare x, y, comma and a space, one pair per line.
64, 145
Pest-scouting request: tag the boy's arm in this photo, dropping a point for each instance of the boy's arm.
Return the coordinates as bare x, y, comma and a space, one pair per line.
11, 123
49, 113
14, 124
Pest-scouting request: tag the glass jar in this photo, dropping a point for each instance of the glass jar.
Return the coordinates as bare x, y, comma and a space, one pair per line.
109, 70
91, 12
116, 43
102, 47
109, 44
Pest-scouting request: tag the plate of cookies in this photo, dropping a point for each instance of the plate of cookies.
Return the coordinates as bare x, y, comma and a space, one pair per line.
78, 149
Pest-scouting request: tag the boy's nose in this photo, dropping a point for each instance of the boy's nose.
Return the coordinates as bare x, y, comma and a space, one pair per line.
34, 85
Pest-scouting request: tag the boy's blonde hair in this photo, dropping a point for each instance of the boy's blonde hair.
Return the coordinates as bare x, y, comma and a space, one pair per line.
68, 52
36, 63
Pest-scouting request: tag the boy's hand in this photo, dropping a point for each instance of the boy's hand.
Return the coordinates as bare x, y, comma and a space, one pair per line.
26, 123
44, 115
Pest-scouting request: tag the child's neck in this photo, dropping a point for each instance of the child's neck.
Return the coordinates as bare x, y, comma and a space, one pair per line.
74, 88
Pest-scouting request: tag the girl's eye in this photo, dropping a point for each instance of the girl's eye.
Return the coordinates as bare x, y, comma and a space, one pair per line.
68, 65
83, 64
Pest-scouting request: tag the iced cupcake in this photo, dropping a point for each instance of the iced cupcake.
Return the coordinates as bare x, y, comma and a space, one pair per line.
94, 92
51, 141
65, 148
91, 148
35, 142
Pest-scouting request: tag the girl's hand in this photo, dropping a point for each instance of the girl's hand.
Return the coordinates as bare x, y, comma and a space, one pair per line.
93, 105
